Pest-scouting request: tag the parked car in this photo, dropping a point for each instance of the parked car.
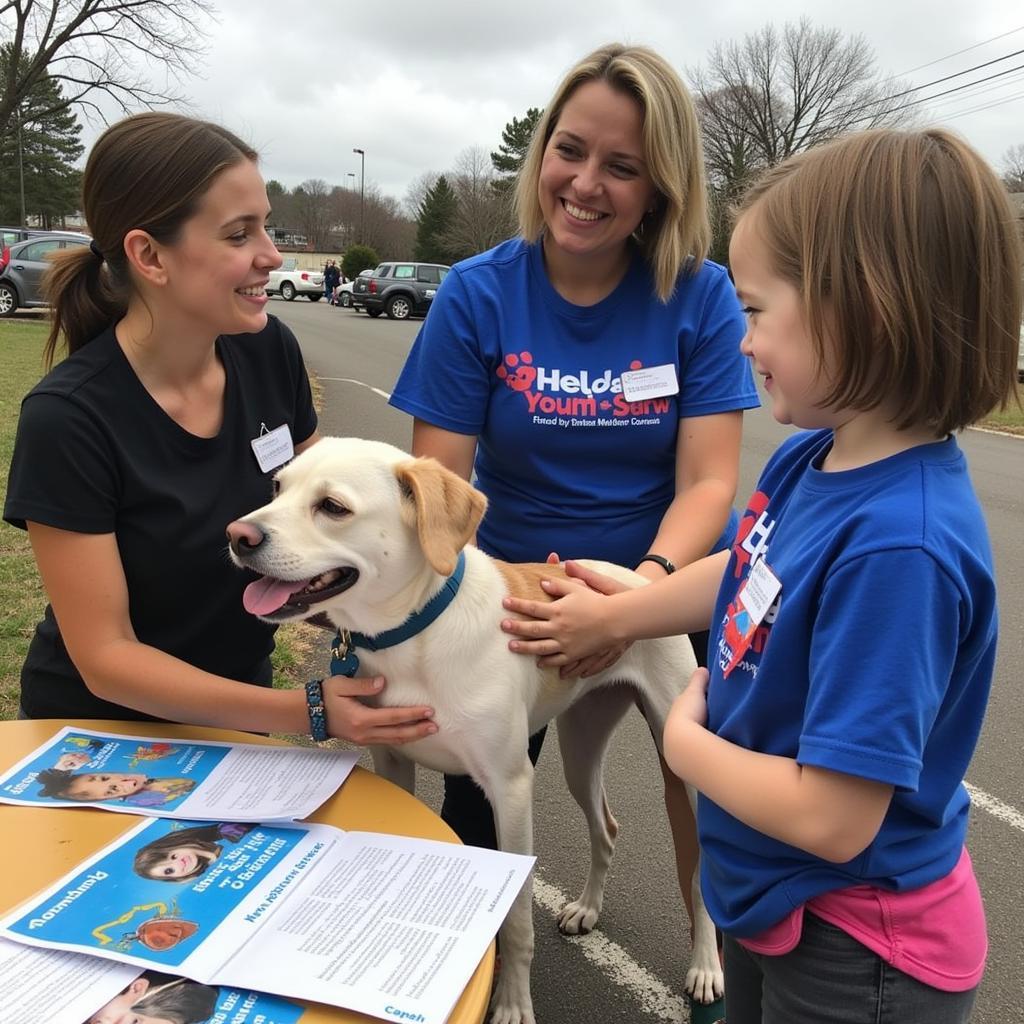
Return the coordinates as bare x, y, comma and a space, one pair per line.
8, 236
22, 266
288, 281
343, 293
399, 289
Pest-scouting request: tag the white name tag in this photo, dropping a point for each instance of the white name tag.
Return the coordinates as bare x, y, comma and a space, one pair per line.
273, 448
761, 589
649, 382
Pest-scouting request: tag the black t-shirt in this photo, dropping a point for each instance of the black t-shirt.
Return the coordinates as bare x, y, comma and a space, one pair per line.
96, 454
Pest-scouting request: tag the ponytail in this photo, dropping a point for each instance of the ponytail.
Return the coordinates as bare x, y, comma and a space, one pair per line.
83, 299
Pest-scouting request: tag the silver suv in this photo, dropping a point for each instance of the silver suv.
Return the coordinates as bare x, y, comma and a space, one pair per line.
22, 266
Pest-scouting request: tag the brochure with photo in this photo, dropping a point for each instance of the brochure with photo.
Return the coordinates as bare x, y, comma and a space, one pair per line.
195, 779
387, 925
50, 986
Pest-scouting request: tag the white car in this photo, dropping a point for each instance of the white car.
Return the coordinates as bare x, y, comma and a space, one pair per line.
288, 281
343, 293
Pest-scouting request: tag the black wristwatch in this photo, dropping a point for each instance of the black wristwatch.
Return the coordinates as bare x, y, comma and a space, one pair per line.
660, 560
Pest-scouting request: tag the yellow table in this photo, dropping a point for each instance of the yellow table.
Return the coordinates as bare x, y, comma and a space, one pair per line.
51, 842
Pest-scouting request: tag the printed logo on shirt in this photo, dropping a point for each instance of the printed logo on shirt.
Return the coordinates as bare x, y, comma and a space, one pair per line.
579, 398
741, 641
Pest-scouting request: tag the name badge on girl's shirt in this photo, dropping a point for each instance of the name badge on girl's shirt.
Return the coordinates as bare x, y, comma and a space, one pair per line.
750, 606
649, 382
273, 448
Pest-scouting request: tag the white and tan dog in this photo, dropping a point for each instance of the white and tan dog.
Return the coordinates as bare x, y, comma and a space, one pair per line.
367, 534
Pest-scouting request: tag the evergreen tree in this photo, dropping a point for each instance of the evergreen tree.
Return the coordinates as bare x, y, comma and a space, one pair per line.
357, 258
515, 142
434, 218
40, 149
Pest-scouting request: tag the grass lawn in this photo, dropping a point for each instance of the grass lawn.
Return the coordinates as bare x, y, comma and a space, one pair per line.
22, 598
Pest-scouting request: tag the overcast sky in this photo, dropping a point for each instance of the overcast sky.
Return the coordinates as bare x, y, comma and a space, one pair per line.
414, 82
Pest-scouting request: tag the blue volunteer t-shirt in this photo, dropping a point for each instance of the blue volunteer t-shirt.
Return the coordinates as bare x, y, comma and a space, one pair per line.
568, 462
875, 660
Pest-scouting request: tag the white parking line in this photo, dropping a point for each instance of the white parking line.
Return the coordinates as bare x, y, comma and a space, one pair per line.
1004, 812
654, 997
349, 380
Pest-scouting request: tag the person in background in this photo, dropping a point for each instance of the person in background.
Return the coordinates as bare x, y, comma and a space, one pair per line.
856, 616
588, 373
332, 277
179, 399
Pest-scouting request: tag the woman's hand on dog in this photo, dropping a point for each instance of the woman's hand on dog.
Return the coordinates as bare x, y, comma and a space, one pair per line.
571, 631
348, 718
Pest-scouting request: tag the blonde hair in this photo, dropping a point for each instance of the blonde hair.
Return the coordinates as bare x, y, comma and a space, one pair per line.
907, 255
676, 235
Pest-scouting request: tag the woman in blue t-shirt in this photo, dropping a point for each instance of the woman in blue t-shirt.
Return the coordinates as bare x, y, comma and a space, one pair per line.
588, 373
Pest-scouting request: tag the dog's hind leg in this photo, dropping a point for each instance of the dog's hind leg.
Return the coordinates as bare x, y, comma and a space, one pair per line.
704, 977
511, 797
583, 734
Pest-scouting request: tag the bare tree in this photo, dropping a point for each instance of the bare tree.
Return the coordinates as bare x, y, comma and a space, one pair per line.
1013, 168
314, 208
776, 93
92, 48
483, 217
417, 192
385, 227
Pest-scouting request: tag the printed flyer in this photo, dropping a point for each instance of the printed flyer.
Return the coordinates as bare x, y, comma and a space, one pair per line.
46, 986
387, 925
196, 779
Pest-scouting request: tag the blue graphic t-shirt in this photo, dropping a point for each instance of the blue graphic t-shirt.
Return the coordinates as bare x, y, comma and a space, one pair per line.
874, 659
568, 462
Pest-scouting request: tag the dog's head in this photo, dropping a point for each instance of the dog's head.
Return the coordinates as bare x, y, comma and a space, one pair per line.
353, 524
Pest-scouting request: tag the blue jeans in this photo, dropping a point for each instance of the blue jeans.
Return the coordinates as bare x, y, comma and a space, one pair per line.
830, 978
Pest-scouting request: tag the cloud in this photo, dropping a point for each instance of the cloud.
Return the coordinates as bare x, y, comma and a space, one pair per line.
415, 83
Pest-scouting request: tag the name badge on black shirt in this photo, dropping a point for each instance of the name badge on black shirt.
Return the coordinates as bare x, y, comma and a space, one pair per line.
273, 448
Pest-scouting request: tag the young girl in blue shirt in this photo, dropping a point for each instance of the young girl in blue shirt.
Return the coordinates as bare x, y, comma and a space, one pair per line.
854, 627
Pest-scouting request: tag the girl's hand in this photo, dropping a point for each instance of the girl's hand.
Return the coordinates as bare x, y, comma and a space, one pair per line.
691, 706
348, 718
569, 628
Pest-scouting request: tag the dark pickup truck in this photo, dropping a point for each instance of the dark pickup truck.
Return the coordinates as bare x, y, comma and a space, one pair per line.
399, 289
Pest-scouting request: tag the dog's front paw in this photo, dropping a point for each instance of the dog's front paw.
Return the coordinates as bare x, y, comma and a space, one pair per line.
705, 982
578, 918
511, 1003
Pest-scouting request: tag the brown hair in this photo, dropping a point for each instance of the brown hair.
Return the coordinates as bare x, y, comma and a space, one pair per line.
907, 255
148, 172
676, 235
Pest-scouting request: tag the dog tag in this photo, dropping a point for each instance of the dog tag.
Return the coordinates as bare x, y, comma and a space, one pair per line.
344, 661
273, 448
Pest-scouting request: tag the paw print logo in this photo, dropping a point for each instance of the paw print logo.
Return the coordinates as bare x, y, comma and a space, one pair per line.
517, 371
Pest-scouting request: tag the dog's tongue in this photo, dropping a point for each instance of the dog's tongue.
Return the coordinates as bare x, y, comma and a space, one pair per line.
266, 594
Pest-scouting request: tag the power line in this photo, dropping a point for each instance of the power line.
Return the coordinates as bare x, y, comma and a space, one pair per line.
984, 106
926, 85
946, 92
966, 49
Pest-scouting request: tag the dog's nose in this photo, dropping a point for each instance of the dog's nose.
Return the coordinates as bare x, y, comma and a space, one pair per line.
244, 537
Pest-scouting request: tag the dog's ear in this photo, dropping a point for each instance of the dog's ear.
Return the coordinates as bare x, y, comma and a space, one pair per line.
446, 510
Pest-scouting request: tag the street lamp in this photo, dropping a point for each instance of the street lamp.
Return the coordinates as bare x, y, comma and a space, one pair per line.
362, 192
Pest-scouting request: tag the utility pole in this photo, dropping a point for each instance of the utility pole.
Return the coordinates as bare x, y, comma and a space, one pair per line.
362, 195
21, 168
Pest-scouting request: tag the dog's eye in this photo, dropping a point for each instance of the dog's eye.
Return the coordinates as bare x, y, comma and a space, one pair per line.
275, 487
333, 508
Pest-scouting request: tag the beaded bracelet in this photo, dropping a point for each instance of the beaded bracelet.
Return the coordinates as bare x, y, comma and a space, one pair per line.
316, 709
